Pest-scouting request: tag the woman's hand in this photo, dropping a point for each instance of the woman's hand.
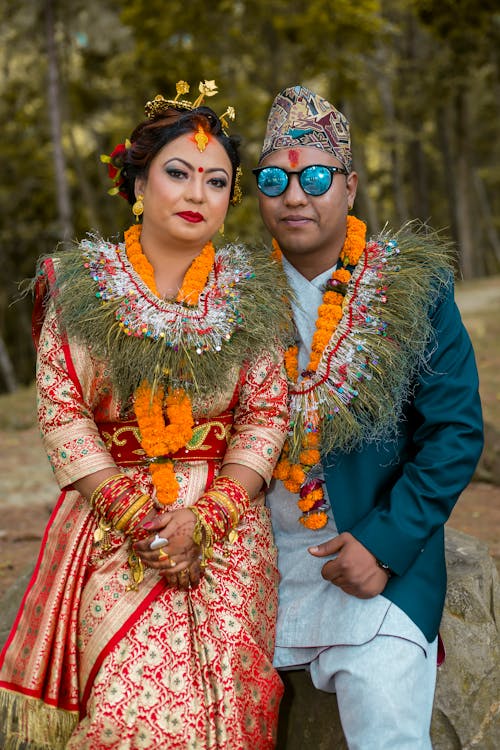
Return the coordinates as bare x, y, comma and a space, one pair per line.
174, 554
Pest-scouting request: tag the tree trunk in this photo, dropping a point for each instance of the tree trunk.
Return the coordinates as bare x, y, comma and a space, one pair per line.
463, 195
7, 369
384, 85
489, 225
54, 102
445, 135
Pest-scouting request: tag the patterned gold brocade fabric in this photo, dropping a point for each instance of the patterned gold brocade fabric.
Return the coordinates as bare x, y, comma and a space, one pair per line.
158, 667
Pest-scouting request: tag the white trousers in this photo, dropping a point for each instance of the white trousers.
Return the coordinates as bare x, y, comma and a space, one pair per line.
385, 691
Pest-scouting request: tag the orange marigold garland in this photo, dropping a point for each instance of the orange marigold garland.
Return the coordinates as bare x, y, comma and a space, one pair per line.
138, 260
160, 439
196, 276
194, 280
295, 476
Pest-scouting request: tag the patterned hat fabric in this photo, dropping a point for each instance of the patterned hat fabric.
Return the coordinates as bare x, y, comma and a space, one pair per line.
298, 117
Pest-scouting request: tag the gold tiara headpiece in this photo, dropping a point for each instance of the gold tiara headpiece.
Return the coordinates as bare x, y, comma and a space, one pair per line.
159, 105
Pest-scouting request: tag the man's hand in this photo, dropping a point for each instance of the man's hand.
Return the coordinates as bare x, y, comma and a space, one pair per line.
354, 569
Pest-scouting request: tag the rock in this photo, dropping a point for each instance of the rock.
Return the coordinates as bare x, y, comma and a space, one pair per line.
467, 702
488, 468
10, 602
466, 707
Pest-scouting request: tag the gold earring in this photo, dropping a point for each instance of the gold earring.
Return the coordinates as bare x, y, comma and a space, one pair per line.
237, 192
138, 207
221, 230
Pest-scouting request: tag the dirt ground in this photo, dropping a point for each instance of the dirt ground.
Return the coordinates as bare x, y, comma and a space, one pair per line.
28, 490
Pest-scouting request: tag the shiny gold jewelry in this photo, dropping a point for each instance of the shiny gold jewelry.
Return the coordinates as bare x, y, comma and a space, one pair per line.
136, 571
162, 555
94, 496
160, 106
130, 512
237, 192
138, 207
203, 537
101, 534
201, 139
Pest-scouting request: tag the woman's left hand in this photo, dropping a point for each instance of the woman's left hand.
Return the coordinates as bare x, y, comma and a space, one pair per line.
173, 552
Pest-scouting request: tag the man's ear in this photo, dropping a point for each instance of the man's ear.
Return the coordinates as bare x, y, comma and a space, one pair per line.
352, 185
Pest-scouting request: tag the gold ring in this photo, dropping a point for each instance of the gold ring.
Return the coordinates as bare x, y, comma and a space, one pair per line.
163, 555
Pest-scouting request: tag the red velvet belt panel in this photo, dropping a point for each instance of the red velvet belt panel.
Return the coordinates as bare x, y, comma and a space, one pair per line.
208, 443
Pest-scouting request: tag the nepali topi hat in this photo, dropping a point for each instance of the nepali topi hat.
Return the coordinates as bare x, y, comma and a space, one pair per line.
299, 117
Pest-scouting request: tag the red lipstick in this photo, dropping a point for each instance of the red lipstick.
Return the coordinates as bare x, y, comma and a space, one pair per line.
191, 216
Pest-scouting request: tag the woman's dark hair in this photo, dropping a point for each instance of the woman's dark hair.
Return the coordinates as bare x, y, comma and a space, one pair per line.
150, 136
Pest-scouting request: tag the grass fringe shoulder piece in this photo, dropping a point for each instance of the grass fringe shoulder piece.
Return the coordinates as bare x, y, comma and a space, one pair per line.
103, 303
365, 374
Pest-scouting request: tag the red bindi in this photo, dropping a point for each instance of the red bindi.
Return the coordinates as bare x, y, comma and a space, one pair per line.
293, 157
200, 169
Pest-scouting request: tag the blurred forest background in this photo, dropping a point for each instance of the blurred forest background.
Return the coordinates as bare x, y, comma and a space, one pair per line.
419, 80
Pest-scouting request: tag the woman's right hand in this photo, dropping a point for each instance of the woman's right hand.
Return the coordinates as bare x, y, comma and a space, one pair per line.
178, 558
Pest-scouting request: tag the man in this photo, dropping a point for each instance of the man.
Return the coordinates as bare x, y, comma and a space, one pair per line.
384, 387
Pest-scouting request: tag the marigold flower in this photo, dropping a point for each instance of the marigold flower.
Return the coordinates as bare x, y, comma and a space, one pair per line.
309, 457
314, 520
292, 486
305, 503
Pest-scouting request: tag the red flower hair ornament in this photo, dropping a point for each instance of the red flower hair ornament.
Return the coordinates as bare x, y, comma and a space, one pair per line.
115, 166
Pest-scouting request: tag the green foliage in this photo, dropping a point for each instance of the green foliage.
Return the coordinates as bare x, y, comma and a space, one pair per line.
419, 80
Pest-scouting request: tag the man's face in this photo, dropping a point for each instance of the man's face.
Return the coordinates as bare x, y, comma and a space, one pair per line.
309, 229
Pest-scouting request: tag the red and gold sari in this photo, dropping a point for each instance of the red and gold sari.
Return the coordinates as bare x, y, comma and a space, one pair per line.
92, 664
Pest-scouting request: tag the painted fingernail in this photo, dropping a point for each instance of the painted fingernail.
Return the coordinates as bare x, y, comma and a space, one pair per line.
147, 525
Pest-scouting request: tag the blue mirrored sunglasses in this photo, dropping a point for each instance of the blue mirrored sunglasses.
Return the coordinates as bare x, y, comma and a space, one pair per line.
314, 180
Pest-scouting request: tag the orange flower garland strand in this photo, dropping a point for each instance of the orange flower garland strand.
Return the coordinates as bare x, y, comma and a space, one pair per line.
158, 438
138, 260
294, 476
196, 276
194, 280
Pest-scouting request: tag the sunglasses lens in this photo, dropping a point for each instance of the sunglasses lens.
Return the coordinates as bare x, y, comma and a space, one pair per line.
315, 180
272, 181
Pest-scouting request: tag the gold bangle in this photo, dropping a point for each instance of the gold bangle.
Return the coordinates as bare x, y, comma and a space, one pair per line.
222, 498
95, 493
130, 512
226, 477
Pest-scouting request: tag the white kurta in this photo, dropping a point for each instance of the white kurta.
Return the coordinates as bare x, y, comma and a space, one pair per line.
313, 613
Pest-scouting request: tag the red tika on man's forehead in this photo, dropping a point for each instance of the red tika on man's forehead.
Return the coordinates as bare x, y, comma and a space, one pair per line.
293, 157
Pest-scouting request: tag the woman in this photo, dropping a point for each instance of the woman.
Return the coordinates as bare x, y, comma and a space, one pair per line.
149, 620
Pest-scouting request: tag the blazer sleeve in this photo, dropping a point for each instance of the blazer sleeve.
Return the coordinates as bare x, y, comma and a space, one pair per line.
447, 443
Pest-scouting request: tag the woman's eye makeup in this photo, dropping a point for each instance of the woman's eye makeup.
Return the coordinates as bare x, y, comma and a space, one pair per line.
182, 174
219, 182
176, 173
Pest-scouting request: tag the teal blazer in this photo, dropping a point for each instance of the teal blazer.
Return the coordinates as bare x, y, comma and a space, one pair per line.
395, 498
